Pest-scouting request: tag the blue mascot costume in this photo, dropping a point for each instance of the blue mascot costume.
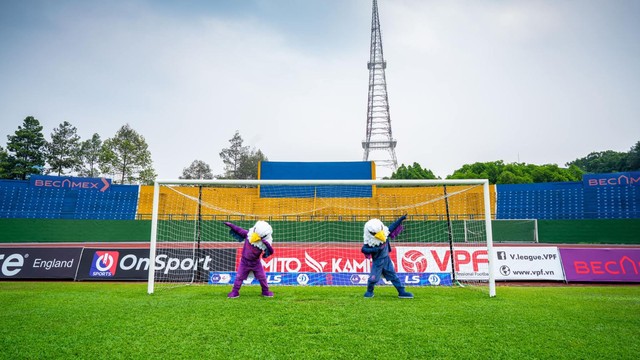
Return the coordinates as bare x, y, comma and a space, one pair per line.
377, 247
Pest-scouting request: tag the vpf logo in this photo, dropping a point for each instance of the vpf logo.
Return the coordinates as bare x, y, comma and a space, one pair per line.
414, 261
104, 264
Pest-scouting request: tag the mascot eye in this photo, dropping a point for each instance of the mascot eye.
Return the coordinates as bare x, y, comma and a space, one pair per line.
372, 233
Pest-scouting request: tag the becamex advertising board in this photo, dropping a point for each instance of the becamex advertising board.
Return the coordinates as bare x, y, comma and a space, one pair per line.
601, 265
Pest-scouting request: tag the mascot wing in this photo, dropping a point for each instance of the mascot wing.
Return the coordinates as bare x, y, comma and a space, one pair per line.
268, 251
396, 228
237, 232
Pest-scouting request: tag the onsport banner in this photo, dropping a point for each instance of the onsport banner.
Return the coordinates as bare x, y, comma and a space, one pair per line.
133, 264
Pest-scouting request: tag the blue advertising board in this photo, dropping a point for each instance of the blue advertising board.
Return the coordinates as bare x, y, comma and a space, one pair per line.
344, 279
347, 170
68, 182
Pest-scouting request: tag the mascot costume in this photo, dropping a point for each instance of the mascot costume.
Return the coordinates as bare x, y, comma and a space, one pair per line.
377, 247
256, 241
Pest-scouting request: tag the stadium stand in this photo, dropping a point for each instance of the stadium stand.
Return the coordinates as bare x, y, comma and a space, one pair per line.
19, 199
612, 202
598, 196
250, 201
603, 208
540, 201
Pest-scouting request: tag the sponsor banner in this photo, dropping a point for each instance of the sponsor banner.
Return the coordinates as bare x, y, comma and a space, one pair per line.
347, 279
39, 263
66, 182
512, 263
612, 179
330, 260
527, 263
601, 265
471, 262
133, 264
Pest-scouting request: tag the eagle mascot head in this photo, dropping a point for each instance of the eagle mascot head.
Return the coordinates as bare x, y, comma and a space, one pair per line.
375, 233
260, 231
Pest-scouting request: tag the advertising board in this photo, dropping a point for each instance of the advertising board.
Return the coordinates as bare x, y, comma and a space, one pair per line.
38, 263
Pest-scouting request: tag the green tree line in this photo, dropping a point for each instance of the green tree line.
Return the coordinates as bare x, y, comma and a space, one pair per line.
125, 157
521, 173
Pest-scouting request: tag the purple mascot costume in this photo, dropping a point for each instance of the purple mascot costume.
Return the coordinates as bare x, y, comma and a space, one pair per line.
256, 241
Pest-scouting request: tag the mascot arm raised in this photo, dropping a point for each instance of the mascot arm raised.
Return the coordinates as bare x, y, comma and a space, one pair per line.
237, 232
396, 227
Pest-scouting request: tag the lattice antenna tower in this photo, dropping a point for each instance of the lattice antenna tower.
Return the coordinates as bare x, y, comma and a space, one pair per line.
379, 138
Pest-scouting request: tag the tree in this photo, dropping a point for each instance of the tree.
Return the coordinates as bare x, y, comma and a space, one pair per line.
241, 162
127, 156
486, 170
249, 163
603, 162
232, 156
90, 155
4, 163
517, 173
414, 171
197, 170
634, 157
26, 155
63, 151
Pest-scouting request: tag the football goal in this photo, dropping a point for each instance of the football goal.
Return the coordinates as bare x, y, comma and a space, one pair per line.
318, 231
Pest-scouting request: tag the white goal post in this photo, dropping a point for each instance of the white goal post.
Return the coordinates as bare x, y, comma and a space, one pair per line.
317, 230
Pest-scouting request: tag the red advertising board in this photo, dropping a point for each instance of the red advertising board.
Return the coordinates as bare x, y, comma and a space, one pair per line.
335, 260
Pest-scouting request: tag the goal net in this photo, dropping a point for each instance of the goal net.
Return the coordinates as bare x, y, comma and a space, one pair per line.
318, 230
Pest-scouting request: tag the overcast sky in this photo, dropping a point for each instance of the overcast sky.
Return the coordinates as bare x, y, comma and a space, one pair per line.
541, 82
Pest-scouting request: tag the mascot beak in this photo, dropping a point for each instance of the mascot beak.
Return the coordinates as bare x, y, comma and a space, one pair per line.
380, 235
254, 238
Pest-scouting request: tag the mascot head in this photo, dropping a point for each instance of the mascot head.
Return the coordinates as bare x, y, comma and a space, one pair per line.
375, 233
260, 231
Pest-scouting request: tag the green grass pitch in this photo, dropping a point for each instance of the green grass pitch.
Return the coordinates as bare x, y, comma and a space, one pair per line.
82, 320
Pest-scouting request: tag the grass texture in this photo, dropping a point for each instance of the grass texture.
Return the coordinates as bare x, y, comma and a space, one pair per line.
99, 320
